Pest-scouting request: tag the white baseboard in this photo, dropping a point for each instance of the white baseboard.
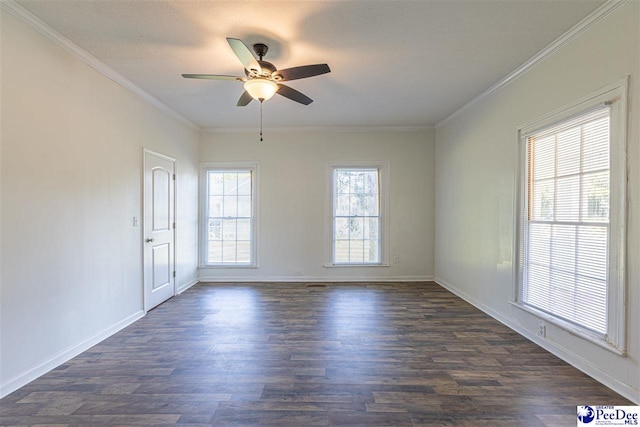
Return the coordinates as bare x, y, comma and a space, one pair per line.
557, 350
313, 279
63, 356
186, 286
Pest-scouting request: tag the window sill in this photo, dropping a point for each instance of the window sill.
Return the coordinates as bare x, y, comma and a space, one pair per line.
573, 329
226, 266
355, 265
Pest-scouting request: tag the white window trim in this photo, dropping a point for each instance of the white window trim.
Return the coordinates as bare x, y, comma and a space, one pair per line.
614, 95
202, 226
385, 173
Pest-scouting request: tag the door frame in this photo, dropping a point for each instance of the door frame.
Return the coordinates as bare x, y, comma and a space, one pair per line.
146, 151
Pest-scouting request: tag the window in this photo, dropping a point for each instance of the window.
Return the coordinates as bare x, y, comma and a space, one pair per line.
358, 214
572, 218
229, 228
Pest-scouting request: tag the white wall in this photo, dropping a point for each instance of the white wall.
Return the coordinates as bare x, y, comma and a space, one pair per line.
292, 183
475, 206
71, 176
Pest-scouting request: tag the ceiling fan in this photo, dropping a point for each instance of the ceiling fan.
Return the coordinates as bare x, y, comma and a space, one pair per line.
262, 79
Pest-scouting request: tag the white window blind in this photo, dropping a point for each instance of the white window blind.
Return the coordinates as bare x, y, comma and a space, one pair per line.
566, 244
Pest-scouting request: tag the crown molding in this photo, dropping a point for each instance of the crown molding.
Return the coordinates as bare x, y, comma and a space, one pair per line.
582, 26
46, 30
329, 129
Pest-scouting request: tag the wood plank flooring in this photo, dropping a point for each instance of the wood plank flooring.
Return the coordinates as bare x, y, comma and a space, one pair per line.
295, 354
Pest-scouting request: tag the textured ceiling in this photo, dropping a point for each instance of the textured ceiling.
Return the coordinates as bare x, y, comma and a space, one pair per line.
394, 63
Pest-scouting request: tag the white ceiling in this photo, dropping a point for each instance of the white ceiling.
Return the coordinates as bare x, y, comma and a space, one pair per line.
394, 63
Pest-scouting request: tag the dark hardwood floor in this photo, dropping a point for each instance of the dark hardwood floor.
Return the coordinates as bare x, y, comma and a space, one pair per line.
283, 354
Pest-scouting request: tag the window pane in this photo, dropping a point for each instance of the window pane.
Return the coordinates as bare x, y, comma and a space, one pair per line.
356, 202
229, 251
540, 244
341, 248
595, 193
243, 231
230, 207
356, 185
562, 285
215, 251
371, 206
356, 251
215, 229
341, 228
342, 205
538, 285
244, 183
215, 206
244, 206
356, 228
371, 182
568, 198
563, 248
229, 229
591, 252
542, 203
596, 149
342, 182
230, 183
544, 152
372, 251
590, 303
215, 183
371, 228
244, 251
568, 147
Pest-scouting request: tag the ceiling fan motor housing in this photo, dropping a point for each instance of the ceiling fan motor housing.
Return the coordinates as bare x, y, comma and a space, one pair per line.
267, 71
260, 49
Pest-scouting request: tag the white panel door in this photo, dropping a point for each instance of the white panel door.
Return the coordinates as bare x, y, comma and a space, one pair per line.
159, 228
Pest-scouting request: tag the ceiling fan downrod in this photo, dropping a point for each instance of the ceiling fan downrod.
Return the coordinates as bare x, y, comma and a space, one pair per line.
260, 49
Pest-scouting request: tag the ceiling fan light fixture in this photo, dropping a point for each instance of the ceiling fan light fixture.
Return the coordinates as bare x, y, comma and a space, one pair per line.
261, 89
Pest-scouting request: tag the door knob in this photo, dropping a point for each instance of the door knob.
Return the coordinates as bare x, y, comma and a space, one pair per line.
149, 239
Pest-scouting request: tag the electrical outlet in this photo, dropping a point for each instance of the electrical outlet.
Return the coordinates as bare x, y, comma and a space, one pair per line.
542, 329
298, 272
396, 259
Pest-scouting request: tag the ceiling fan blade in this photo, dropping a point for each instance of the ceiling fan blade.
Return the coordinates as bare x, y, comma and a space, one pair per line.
245, 56
210, 77
245, 98
303, 72
293, 94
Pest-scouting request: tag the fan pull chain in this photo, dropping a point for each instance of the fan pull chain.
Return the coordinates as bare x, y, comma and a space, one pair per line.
261, 120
